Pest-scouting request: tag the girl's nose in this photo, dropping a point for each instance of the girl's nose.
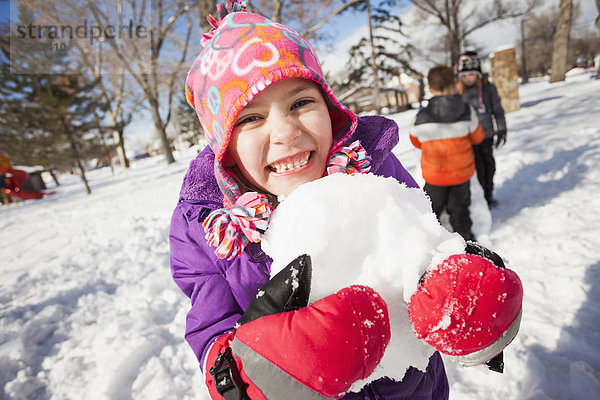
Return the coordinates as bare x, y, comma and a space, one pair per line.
284, 131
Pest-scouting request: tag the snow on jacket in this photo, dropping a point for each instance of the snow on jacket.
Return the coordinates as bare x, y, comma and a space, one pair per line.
221, 290
492, 107
446, 131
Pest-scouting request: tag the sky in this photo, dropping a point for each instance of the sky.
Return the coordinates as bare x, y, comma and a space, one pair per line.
4, 9
88, 309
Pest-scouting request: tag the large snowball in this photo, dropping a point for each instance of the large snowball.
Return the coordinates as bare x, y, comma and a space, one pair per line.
368, 230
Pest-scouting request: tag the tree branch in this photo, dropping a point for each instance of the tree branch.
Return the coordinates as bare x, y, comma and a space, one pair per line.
323, 21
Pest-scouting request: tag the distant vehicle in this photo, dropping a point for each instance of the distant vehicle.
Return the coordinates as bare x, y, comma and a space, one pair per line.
141, 155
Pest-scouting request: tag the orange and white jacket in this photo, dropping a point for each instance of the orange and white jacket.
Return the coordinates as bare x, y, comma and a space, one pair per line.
446, 131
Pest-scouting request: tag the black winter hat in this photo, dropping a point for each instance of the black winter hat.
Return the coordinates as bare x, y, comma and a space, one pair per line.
469, 62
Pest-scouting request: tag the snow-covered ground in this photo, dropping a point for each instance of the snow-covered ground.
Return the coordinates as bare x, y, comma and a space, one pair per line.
88, 309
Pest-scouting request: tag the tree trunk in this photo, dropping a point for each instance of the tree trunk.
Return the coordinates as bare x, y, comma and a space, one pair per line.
76, 153
373, 63
454, 43
524, 73
277, 11
83, 178
161, 131
561, 41
52, 173
107, 157
598, 17
454, 33
204, 8
598, 26
118, 137
118, 134
80, 166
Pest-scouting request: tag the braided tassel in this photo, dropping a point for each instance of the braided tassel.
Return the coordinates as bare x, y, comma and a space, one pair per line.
230, 6
230, 230
481, 109
350, 159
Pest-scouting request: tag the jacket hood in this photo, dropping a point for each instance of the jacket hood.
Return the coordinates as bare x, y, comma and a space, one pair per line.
444, 109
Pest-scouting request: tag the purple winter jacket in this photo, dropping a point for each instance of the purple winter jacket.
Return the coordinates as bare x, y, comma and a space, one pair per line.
221, 290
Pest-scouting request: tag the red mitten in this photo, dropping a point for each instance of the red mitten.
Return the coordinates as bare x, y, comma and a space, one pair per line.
468, 307
285, 349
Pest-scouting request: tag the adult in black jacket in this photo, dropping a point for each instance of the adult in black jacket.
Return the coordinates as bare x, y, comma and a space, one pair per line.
483, 97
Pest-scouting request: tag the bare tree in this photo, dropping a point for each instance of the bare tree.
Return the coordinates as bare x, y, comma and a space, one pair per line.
121, 102
598, 26
584, 46
307, 17
203, 8
373, 63
460, 18
539, 31
145, 62
561, 41
120, 98
524, 73
139, 49
597, 22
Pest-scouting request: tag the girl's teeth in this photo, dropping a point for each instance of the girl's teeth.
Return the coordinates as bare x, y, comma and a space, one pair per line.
288, 167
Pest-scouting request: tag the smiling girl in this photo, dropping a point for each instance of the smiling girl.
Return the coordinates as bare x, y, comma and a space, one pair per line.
273, 123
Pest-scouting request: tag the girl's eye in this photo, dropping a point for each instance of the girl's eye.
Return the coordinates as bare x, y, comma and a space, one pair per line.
248, 119
301, 103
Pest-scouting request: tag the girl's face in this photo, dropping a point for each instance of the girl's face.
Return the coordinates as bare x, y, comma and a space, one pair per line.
469, 78
281, 139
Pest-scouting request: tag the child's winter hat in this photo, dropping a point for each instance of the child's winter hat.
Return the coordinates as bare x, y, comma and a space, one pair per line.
242, 55
469, 62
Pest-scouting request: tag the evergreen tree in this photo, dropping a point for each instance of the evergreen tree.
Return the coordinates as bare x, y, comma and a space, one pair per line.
48, 119
188, 124
391, 54
68, 108
26, 146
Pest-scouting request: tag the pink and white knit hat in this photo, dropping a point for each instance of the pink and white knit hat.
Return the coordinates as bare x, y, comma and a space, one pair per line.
242, 55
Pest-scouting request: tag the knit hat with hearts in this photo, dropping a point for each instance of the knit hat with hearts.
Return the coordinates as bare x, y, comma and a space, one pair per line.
242, 55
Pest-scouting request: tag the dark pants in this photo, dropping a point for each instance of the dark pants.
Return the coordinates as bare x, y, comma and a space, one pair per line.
486, 167
456, 200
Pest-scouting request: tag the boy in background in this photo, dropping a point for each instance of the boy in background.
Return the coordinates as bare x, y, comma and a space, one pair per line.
446, 131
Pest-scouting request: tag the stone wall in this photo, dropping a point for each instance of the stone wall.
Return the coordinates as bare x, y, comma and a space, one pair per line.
503, 65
